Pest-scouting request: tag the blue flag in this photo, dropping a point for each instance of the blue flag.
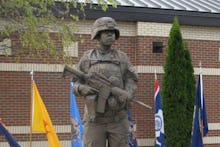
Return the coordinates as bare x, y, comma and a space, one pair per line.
200, 123
159, 122
132, 137
3, 131
76, 123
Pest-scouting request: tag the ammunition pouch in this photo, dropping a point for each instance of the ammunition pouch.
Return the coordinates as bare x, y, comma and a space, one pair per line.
103, 95
91, 105
114, 103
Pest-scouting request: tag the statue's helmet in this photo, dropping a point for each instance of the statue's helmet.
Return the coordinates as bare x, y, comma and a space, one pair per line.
104, 23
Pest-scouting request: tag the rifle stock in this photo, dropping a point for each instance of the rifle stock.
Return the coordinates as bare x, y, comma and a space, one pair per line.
70, 71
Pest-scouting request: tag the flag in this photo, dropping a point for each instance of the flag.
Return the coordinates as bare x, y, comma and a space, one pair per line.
76, 123
159, 122
41, 120
200, 123
132, 137
3, 131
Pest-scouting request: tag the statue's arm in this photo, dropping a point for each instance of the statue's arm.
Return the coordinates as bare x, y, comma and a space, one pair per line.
130, 78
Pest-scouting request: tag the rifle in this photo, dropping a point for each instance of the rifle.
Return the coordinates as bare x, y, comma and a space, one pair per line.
101, 84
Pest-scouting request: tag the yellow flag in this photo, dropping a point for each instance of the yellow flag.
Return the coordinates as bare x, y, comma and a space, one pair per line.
41, 120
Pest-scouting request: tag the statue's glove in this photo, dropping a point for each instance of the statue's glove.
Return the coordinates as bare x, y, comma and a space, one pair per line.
85, 90
122, 94
125, 97
114, 81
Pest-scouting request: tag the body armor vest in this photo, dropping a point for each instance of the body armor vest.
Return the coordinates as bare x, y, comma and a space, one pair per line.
109, 66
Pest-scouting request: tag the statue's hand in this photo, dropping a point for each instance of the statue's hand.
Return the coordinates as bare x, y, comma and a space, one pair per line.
114, 80
124, 97
122, 94
86, 90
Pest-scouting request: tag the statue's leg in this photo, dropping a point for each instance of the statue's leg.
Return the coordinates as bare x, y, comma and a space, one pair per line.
118, 133
94, 135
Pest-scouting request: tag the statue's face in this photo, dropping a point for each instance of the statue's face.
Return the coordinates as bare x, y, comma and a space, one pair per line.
107, 37
74, 128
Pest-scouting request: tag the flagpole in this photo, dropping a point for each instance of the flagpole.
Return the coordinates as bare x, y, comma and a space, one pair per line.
155, 74
31, 107
201, 99
201, 83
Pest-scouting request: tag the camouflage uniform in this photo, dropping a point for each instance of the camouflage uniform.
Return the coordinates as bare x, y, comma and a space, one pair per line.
112, 125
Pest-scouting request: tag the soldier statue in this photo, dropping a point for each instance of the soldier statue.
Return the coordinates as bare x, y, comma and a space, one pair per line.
111, 126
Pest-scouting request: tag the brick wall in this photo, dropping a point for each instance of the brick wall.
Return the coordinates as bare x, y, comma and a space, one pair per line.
15, 84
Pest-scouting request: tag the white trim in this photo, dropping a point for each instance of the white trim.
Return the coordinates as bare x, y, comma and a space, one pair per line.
211, 140
139, 29
141, 142
188, 32
214, 126
219, 54
5, 47
64, 143
67, 128
206, 140
28, 67
146, 142
159, 69
71, 50
154, 29
26, 129
59, 68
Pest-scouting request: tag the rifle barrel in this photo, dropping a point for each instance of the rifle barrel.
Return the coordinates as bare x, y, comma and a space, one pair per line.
143, 104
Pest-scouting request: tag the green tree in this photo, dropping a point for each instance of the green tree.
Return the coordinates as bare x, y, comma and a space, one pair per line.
34, 19
178, 89
190, 91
